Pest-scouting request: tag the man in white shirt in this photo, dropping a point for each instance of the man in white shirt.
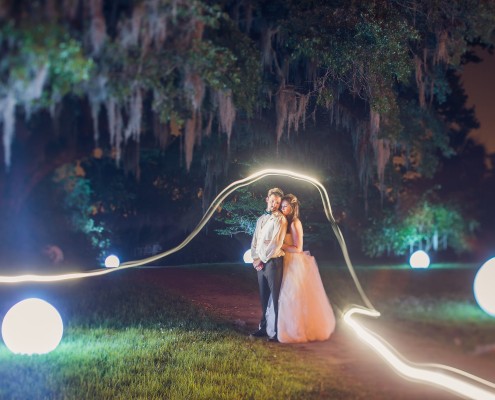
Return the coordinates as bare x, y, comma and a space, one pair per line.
266, 250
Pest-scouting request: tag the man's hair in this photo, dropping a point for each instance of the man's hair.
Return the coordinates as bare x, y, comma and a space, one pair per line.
276, 191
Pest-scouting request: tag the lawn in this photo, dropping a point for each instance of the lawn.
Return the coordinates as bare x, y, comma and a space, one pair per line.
438, 302
127, 337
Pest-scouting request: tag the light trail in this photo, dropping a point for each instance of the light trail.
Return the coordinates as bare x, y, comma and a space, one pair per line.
468, 386
206, 217
444, 377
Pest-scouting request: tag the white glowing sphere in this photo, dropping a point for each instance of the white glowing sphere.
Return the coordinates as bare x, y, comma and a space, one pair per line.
247, 257
32, 326
419, 259
112, 261
483, 287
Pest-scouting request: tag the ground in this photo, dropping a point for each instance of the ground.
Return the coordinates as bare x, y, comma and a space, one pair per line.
230, 293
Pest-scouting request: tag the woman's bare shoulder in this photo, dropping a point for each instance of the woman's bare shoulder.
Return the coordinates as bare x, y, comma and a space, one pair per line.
297, 222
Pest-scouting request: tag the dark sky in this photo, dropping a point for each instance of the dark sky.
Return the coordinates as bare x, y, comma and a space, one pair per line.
479, 81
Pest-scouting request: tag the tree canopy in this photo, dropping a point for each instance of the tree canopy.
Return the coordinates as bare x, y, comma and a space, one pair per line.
199, 63
357, 89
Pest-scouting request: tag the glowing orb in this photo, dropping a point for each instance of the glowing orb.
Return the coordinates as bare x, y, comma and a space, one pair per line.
483, 287
419, 259
247, 257
112, 261
32, 326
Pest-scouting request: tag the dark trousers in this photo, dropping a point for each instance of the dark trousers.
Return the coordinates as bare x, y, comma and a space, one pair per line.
269, 281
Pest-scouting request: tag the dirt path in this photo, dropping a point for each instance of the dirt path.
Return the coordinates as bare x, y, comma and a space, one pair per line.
233, 298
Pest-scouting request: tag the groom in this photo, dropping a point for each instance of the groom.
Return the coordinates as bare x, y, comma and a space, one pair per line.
266, 250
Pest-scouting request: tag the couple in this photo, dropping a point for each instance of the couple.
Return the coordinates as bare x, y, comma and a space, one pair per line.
294, 303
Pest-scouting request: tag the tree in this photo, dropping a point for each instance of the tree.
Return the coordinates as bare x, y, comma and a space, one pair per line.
77, 201
240, 213
427, 226
194, 60
356, 90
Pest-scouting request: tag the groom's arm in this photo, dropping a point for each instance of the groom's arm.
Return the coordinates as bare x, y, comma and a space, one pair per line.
254, 251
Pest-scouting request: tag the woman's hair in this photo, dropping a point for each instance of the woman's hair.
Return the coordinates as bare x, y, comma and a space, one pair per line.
294, 203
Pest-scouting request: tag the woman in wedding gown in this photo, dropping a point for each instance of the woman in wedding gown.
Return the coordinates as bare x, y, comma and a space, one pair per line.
304, 312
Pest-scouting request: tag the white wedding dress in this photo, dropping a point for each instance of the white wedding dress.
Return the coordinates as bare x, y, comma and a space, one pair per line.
304, 312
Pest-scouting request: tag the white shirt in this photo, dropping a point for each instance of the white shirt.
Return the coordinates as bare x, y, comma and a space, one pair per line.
269, 237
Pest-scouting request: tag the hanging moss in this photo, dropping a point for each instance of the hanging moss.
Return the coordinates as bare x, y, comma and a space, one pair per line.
202, 65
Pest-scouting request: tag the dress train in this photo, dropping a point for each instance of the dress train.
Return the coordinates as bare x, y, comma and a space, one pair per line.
304, 312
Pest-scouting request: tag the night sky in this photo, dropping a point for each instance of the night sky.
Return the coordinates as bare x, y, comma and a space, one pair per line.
479, 81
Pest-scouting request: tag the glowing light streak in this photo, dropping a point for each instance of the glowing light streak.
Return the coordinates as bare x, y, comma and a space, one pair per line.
433, 374
413, 371
419, 259
53, 278
483, 287
206, 217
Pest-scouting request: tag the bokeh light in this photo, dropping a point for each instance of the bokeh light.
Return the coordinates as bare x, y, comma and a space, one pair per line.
419, 259
32, 326
247, 257
484, 287
112, 261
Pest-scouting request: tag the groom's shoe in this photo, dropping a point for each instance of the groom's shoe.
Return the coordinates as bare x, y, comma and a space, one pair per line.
259, 333
272, 339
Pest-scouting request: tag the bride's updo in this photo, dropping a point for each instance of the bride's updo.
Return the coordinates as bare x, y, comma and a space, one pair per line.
294, 205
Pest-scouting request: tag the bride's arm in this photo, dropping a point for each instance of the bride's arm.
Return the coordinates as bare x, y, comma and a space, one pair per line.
296, 231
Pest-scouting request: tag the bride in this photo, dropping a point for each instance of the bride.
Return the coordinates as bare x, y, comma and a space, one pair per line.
304, 312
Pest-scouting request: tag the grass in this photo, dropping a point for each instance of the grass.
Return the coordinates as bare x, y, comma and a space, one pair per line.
124, 339
455, 320
437, 302
127, 338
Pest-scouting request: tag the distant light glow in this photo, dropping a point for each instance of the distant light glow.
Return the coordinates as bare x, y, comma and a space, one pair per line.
434, 374
32, 326
112, 261
247, 257
419, 259
484, 287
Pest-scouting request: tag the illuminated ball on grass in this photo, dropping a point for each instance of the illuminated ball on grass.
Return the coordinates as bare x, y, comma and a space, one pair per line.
112, 261
247, 257
419, 259
32, 326
484, 287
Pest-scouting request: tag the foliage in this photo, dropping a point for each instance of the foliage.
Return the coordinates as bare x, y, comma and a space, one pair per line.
77, 202
239, 214
32, 46
244, 75
350, 42
154, 211
35, 56
427, 226
357, 60
369, 82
